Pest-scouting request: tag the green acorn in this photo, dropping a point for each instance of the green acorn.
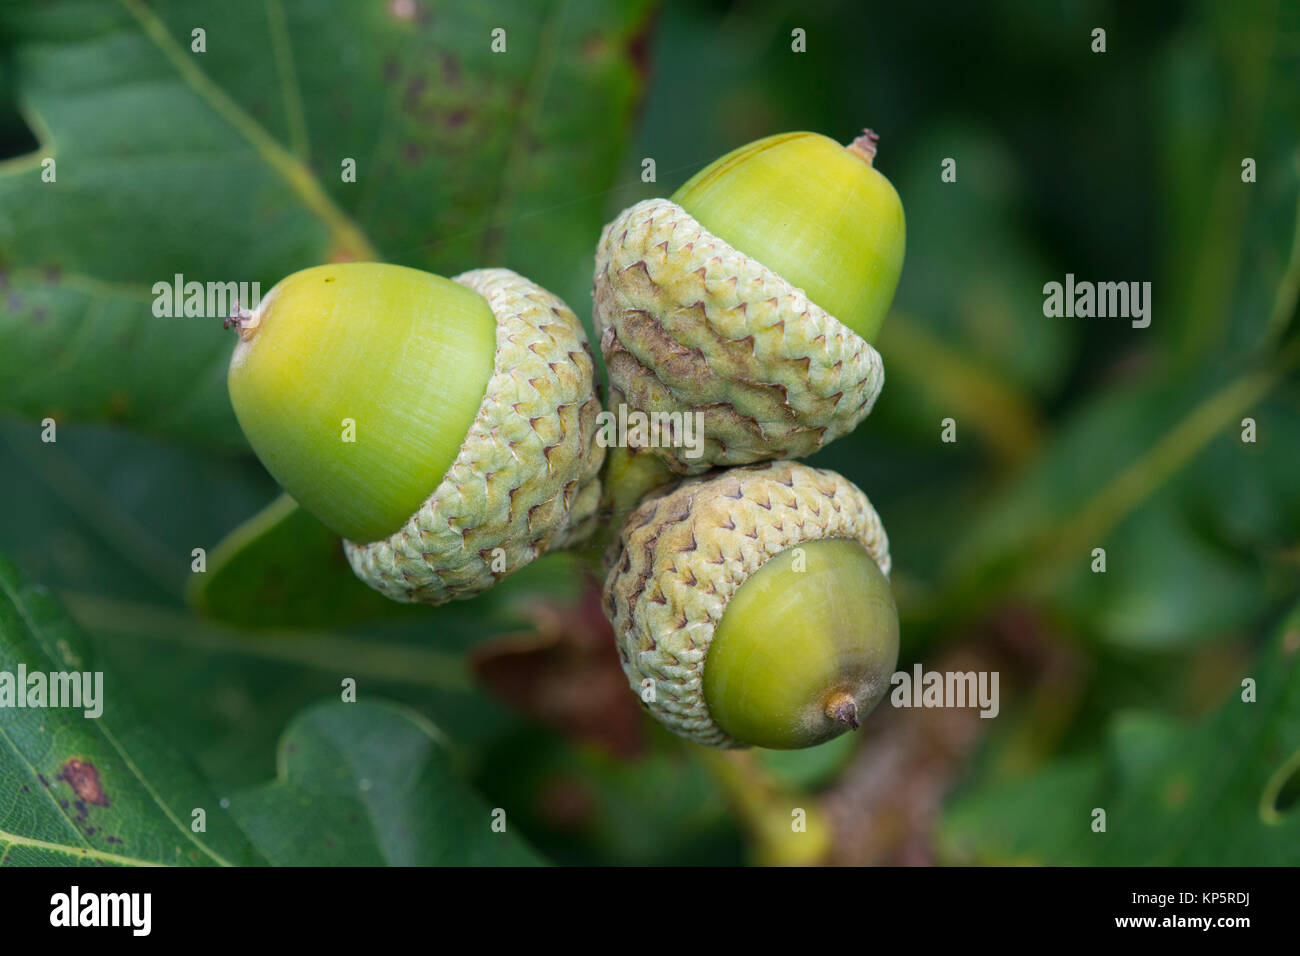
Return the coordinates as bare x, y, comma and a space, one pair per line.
752, 295
816, 213
444, 428
752, 607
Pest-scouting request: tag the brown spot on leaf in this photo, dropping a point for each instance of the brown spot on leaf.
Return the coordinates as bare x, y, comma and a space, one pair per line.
83, 778
638, 44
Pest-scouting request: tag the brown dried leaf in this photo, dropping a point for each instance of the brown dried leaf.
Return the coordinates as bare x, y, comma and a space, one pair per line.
566, 674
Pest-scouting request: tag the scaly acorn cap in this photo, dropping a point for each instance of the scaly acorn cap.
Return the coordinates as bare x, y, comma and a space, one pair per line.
734, 325
526, 479
689, 324
683, 555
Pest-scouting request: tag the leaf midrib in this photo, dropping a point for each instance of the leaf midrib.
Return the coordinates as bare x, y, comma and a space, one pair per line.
13, 839
299, 178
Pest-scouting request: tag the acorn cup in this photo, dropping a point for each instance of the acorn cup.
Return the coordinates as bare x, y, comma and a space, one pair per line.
751, 296
444, 428
752, 607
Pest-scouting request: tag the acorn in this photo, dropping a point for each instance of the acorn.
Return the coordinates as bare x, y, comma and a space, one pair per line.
444, 428
752, 607
751, 298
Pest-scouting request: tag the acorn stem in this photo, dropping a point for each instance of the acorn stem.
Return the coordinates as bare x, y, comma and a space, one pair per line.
843, 709
864, 147
628, 477
762, 803
244, 321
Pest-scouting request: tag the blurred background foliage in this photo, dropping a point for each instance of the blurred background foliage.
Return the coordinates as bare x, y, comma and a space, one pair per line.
1120, 690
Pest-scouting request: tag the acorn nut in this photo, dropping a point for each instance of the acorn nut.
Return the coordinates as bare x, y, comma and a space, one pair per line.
444, 428
751, 296
752, 607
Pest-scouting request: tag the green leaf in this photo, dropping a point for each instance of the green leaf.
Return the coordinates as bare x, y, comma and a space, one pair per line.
1117, 453
1166, 585
110, 518
283, 568
1225, 771
226, 166
1243, 493
86, 791
811, 767
1219, 793
370, 784
1138, 741
227, 693
955, 232
114, 512
1028, 823
1229, 93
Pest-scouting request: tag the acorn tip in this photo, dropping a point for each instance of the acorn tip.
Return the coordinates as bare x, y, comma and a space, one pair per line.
242, 320
843, 709
864, 147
